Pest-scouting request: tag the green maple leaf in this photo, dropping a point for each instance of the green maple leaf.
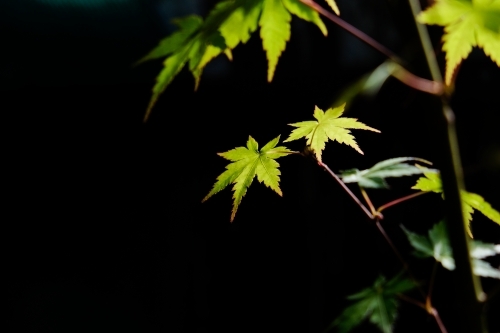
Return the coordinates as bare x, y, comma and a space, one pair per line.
467, 24
248, 162
378, 304
431, 182
274, 31
328, 125
437, 245
376, 175
230, 23
333, 6
187, 27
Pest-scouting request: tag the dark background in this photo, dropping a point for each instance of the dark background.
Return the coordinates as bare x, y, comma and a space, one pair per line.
104, 229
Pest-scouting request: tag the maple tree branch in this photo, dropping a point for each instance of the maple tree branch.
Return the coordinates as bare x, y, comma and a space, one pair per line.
431, 282
344, 186
402, 74
468, 301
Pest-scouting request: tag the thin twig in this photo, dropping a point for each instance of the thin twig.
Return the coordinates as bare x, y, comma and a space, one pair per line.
400, 257
344, 186
353, 31
412, 301
433, 312
402, 74
397, 201
368, 201
439, 322
426, 43
428, 301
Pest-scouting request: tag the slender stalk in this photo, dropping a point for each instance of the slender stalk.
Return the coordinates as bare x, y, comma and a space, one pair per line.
428, 303
368, 201
468, 315
412, 301
431, 284
353, 31
402, 74
344, 186
400, 200
439, 322
426, 43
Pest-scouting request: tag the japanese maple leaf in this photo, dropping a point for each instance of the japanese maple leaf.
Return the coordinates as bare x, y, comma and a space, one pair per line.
249, 162
328, 125
377, 303
431, 182
229, 23
467, 24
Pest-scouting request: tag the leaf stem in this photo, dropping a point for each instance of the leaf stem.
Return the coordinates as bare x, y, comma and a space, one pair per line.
344, 186
431, 285
412, 301
426, 43
440, 324
402, 74
368, 201
398, 201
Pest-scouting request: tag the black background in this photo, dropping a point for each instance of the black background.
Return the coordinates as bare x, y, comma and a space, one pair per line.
103, 226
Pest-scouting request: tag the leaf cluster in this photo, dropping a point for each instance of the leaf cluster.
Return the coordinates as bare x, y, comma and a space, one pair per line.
436, 244
231, 22
250, 161
431, 182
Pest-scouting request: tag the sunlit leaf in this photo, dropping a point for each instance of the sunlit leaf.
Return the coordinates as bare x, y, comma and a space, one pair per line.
333, 6
274, 31
328, 125
249, 162
431, 182
467, 24
228, 24
187, 27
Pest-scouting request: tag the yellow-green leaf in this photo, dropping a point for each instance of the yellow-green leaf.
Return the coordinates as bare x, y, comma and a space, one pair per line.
187, 27
333, 6
249, 162
467, 24
477, 202
241, 23
306, 13
431, 182
328, 125
171, 67
458, 42
274, 31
